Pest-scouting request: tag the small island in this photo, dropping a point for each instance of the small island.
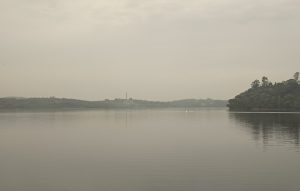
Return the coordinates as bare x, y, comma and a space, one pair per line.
267, 96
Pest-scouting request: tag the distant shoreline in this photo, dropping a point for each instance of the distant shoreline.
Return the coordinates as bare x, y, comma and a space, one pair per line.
52, 103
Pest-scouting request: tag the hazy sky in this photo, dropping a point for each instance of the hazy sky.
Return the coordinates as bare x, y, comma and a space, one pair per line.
153, 49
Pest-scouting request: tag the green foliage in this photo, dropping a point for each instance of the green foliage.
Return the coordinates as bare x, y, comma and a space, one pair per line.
265, 96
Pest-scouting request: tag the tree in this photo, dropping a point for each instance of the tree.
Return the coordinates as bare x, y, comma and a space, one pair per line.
255, 84
265, 81
296, 76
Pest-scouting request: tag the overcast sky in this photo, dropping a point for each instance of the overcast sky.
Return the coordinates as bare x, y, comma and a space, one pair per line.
152, 49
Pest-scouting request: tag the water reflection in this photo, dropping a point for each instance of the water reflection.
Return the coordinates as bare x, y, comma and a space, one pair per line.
271, 128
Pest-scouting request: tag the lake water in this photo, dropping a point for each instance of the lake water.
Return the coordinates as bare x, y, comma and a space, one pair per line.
149, 150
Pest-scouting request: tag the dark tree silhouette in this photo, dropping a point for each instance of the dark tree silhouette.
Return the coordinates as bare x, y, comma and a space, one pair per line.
282, 96
255, 84
265, 81
296, 76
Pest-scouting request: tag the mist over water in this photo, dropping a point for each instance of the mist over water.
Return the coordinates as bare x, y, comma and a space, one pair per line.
117, 54
145, 150
154, 50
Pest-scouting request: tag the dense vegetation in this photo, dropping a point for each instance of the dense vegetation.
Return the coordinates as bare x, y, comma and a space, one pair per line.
267, 96
63, 103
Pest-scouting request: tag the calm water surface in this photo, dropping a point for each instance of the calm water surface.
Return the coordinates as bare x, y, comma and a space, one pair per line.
149, 150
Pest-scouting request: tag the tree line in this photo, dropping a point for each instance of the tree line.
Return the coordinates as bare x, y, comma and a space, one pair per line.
265, 95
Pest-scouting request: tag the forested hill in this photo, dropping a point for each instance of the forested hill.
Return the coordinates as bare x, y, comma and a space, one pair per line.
267, 96
63, 103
